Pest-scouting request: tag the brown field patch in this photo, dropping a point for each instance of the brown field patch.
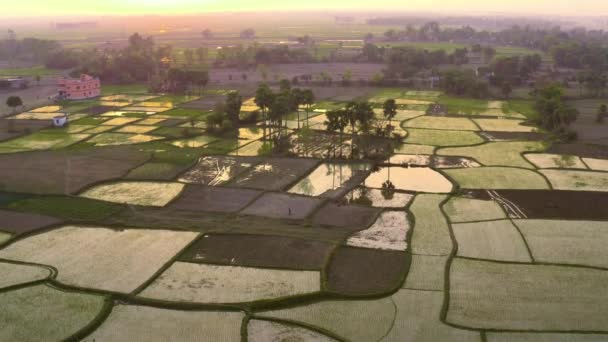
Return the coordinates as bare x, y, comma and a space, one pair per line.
559, 204
20, 223
274, 174
218, 170
348, 216
217, 199
284, 206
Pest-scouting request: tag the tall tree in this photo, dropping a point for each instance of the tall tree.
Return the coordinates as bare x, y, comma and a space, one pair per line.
233, 107
337, 120
308, 99
264, 99
278, 109
14, 102
602, 112
390, 110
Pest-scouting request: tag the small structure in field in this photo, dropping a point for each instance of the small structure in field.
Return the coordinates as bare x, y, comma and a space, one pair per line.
60, 121
85, 87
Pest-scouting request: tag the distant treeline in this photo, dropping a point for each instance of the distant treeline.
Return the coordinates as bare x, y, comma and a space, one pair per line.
487, 23
28, 49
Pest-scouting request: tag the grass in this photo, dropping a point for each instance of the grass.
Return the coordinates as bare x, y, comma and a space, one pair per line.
68, 208
577, 180
136, 193
41, 141
461, 209
504, 125
187, 113
344, 318
4, 237
524, 107
112, 139
496, 153
497, 178
124, 89
201, 283
427, 272
44, 313
441, 123
462, 105
442, 137
415, 149
39, 70
431, 234
488, 295
128, 322
493, 240
101, 258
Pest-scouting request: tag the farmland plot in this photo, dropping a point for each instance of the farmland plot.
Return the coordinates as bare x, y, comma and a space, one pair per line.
445, 123
436, 137
141, 323
489, 295
461, 209
136, 193
274, 173
431, 233
427, 272
266, 331
44, 313
497, 178
16, 274
377, 198
101, 258
419, 179
214, 199
41, 141
328, 178
20, 223
493, 240
503, 125
217, 170
200, 283
567, 242
355, 320
283, 206
596, 164
577, 180
548, 161
389, 232
496, 153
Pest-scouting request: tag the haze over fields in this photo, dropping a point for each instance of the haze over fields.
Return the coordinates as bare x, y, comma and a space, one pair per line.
537, 7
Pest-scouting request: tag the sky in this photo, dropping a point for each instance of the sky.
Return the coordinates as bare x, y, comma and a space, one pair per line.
130, 7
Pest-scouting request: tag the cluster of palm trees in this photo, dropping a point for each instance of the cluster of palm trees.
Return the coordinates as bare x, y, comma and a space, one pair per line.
275, 106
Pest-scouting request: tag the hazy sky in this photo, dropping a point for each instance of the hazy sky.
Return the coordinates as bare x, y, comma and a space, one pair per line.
126, 7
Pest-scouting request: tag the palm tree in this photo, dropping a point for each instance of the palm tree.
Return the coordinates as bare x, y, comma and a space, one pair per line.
337, 120
263, 99
308, 99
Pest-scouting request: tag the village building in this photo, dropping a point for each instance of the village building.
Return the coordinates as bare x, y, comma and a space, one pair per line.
85, 87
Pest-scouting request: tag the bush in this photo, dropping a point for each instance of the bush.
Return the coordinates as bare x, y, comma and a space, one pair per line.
251, 117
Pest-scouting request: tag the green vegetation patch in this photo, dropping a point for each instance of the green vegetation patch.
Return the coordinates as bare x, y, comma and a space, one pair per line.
441, 122
489, 295
497, 178
427, 272
131, 322
187, 113
67, 207
577, 180
113, 139
44, 313
16, 274
560, 161
417, 319
431, 234
506, 153
567, 242
201, 283
415, 149
442, 137
156, 171
38, 70
4, 237
491, 240
41, 141
461, 209
124, 89
344, 318
524, 107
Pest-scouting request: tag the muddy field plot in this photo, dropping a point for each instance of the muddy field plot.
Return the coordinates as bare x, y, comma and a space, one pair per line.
218, 170
214, 199
156, 171
21, 223
155, 194
460, 209
101, 258
283, 206
274, 173
65, 172
492, 240
259, 251
389, 232
557, 204
567, 242
361, 271
512, 136
557, 161
128, 322
488, 295
44, 313
201, 283
352, 217
497, 178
